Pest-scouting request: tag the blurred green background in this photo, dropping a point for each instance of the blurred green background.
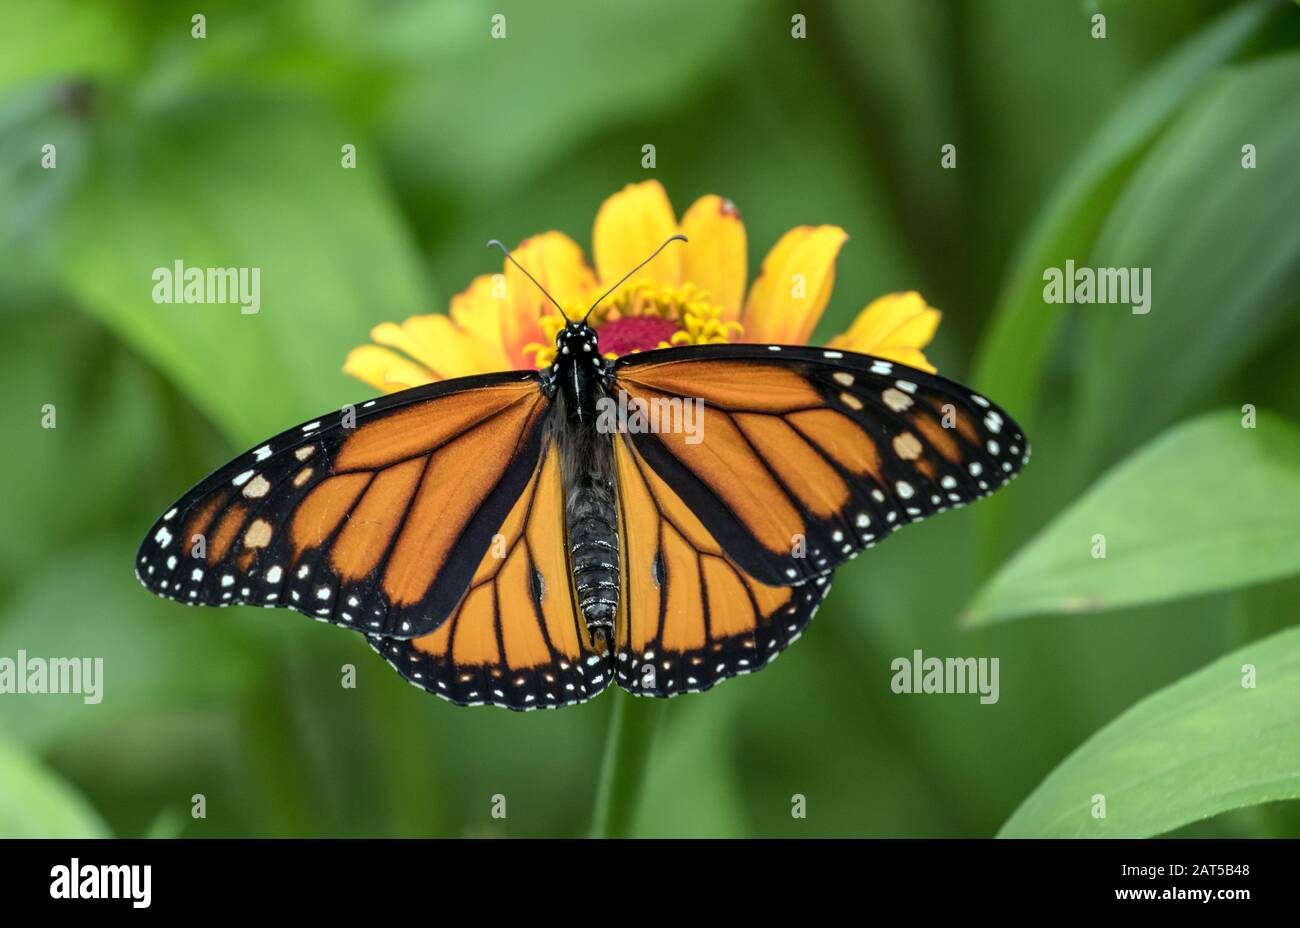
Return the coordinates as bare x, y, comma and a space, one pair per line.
1124, 150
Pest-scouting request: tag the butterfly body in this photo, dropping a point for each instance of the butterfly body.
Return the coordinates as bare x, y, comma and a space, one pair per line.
582, 377
498, 544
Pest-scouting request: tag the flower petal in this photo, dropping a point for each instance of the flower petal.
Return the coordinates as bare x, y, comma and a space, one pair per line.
629, 226
459, 353
408, 338
478, 308
385, 370
557, 263
895, 326
715, 258
794, 286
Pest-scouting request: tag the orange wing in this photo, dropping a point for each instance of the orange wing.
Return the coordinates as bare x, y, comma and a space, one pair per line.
516, 638
689, 616
806, 456
373, 522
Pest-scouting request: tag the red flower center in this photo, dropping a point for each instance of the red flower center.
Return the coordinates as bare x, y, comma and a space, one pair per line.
635, 333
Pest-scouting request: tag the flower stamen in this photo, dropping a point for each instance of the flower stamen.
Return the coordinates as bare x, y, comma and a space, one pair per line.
647, 315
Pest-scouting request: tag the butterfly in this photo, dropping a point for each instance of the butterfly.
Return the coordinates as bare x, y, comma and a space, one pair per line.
525, 538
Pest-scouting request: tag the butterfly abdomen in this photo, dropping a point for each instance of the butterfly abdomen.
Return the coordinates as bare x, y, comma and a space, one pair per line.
591, 522
593, 552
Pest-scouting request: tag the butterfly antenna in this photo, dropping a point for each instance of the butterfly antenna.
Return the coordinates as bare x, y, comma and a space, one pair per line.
672, 238
511, 259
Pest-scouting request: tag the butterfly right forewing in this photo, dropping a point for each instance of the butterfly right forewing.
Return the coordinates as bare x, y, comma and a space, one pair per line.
806, 456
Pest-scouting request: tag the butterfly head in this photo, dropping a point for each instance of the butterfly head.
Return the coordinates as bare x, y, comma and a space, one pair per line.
577, 341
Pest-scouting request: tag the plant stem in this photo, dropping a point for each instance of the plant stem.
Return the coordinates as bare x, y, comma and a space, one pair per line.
632, 729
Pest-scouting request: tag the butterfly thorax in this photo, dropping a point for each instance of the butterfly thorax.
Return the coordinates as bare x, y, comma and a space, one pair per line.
579, 373
579, 378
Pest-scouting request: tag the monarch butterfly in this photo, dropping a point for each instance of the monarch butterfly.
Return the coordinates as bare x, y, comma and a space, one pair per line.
498, 546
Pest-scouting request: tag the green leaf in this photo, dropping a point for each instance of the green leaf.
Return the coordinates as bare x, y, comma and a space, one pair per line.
1012, 358
34, 803
1204, 745
1208, 505
176, 182
1222, 247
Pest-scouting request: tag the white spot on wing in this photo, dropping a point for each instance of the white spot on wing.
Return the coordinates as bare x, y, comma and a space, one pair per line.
896, 400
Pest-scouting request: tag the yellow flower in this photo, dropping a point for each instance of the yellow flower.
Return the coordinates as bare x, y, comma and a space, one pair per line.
692, 294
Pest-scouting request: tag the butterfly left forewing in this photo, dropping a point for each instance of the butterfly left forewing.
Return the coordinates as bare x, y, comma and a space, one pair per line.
374, 523
806, 456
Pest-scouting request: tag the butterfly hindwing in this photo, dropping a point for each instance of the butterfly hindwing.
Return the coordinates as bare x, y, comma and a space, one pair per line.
372, 518
689, 616
806, 456
516, 638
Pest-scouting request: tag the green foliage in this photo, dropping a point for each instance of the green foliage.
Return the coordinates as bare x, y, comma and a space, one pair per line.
1222, 244
154, 660
330, 255
226, 151
1170, 521
35, 803
1014, 354
90, 42
1222, 738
